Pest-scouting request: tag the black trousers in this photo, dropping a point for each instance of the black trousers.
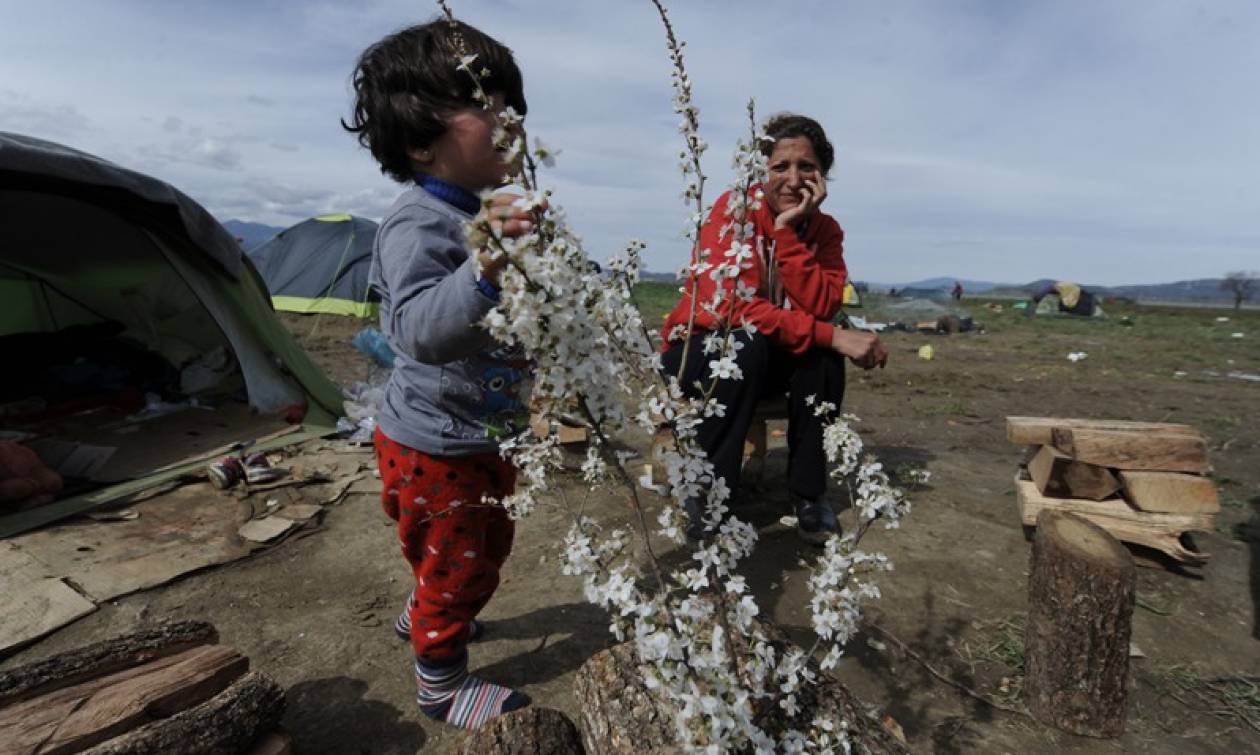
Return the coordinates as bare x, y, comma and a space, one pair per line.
768, 371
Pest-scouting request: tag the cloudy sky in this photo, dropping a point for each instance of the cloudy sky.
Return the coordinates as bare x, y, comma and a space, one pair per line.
1108, 141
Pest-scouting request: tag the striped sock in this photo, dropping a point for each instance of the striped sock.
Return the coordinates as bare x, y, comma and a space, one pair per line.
402, 625
449, 693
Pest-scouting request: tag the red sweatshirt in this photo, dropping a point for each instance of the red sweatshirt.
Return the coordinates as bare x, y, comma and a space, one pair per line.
810, 271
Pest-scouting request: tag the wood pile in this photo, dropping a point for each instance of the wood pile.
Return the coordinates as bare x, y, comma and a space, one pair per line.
1143, 482
168, 690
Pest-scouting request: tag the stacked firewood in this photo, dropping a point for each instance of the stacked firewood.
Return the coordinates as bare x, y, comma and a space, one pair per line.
168, 690
1144, 482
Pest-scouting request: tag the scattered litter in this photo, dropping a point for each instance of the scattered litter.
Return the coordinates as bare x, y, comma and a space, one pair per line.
272, 503
1135, 651
373, 343
787, 520
1020, 305
363, 403
1222, 319
266, 529
1236, 335
1250, 377
1076, 356
1179, 373
926, 352
861, 323
299, 512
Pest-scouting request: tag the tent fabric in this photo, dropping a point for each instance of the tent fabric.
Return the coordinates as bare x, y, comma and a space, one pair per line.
26, 161
320, 265
83, 241
851, 297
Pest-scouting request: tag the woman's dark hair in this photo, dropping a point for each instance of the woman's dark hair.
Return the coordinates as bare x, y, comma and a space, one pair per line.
407, 84
788, 125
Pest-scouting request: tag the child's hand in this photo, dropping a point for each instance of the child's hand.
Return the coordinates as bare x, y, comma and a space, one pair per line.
507, 222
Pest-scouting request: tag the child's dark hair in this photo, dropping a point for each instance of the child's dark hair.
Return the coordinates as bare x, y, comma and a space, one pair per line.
788, 125
406, 84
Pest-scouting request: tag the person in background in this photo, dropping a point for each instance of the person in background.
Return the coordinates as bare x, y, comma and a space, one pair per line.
798, 279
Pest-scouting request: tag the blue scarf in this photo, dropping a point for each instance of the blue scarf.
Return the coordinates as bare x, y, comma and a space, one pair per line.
456, 196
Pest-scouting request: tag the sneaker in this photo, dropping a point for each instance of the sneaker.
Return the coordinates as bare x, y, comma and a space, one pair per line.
815, 520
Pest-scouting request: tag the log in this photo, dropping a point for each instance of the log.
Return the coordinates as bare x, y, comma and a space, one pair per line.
1037, 430
1063, 477
1126, 449
1159, 531
1081, 592
620, 716
228, 723
1170, 492
74, 718
103, 658
529, 731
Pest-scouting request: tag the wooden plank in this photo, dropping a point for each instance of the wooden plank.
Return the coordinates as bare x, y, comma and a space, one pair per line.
1154, 530
1170, 492
1036, 430
74, 718
36, 602
1126, 449
1063, 477
102, 658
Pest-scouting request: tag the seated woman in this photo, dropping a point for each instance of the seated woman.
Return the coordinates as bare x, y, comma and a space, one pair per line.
798, 275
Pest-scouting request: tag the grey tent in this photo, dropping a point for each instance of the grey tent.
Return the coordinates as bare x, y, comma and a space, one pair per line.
320, 265
134, 332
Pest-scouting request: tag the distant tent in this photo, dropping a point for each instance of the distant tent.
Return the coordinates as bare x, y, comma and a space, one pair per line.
320, 266
1068, 298
851, 298
123, 298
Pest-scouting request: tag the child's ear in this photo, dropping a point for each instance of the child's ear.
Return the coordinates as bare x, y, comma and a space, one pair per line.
420, 155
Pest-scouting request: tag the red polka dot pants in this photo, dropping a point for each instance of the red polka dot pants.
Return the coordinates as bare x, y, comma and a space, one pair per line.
455, 543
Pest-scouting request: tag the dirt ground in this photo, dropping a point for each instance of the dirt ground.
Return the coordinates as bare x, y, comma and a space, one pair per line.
316, 612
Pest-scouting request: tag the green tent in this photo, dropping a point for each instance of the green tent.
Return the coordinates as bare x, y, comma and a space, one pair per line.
98, 262
320, 266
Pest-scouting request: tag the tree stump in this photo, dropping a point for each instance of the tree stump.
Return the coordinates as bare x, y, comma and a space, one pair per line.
1080, 604
621, 717
530, 731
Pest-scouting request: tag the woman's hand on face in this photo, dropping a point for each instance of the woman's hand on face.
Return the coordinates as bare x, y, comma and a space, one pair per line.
862, 347
507, 221
812, 194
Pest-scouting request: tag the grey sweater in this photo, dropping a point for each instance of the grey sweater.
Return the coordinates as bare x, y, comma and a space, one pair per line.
454, 390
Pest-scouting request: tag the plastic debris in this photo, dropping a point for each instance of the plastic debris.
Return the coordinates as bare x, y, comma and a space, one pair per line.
373, 343
926, 352
1077, 356
1222, 319
1236, 335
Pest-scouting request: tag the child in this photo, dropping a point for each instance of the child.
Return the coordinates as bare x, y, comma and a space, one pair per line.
453, 390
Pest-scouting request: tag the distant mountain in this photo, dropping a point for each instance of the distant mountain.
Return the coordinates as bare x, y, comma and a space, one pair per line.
250, 234
975, 287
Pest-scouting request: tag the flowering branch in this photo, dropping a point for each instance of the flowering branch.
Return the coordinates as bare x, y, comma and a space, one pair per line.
695, 629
